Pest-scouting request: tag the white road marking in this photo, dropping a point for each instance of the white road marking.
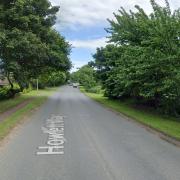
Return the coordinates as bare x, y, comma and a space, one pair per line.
55, 130
51, 150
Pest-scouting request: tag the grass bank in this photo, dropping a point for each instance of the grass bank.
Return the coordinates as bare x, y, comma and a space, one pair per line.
167, 125
37, 99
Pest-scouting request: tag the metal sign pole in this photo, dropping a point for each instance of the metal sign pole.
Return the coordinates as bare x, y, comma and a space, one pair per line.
37, 84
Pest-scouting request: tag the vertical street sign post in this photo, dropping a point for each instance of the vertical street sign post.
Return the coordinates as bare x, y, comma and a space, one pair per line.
37, 84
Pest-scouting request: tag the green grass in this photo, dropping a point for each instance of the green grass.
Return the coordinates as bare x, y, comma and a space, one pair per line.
169, 126
10, 103
37, 99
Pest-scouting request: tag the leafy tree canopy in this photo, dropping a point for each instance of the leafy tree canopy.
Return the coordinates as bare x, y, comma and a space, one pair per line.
28, 43
144, 61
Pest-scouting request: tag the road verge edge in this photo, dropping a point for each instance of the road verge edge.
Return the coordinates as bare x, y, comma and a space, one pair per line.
163, 135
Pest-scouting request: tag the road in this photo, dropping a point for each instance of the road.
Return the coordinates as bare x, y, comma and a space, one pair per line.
92, 143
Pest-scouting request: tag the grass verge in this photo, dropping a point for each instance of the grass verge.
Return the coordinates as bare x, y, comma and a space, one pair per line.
166, 125
37, 99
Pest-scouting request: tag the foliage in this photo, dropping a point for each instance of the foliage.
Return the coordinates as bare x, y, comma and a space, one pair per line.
144, 60
28, 43
85, 76
51, 78
96, 89
6, 92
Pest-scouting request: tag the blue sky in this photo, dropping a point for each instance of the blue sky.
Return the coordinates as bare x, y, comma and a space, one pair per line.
82, 22
82, 45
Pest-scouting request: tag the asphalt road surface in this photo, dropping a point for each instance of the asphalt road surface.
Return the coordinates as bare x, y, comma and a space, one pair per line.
72, 137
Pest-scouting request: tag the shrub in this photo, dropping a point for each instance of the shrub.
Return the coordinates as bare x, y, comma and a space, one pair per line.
6, 92
95, 89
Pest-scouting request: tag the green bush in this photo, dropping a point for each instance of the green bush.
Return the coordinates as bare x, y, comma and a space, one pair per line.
85, 76
143, 60
6, 92
96, 89
49, 79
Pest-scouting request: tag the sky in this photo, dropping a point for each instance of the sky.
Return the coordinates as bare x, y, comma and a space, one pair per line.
83, 23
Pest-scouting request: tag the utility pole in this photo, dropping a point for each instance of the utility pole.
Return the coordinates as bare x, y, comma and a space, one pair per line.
37, 84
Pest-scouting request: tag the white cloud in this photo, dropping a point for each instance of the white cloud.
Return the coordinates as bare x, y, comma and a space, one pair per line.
77, 64
77, 14
74, 13
89, 44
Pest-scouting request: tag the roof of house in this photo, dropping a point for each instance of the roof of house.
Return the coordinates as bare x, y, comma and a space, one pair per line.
4, 82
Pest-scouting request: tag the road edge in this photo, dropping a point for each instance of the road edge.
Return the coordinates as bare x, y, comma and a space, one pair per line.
25, 114
155, 131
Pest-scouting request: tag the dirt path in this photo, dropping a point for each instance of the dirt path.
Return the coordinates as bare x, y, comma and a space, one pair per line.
9, 112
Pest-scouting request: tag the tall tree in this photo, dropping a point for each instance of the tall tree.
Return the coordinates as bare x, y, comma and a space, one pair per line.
85, 76
144, 62
25, 48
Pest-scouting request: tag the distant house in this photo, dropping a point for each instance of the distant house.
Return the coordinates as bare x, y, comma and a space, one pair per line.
4, 82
